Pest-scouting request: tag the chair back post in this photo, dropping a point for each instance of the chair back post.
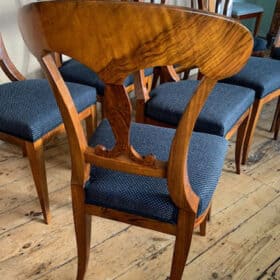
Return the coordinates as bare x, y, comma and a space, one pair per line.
159, 29
6, 64
221, 7
76, 137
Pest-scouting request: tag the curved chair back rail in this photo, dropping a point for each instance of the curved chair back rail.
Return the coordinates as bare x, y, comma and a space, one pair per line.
121, 51
6, 64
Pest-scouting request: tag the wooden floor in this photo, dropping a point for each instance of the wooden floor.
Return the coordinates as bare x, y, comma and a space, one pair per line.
242, 242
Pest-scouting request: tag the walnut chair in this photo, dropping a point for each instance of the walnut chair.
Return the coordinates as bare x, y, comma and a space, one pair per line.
157, 178
263, 76
29, 116
226, 111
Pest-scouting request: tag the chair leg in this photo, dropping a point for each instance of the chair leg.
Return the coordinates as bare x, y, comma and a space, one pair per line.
91, 122
35, 155
209, 213
240, 138
277, 111
277, 126
256, 110
182, 243
24, 152
82, 223
202, 226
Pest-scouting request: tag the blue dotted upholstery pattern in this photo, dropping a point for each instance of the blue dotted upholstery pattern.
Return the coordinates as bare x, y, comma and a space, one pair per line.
260, 74
241, 9
259, 44
73, 71
225, 105
148, 196
28, 109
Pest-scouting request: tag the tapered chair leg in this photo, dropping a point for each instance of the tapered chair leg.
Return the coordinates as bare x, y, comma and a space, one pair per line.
91, 122
183, 240
82, 223
203, 225
277, 126
277, 112
35, 155
240, 139
24, 152
256, 110
209, 213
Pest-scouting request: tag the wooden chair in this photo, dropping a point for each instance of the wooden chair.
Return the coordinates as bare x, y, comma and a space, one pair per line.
261, 75
226, 111
157, 178
29, 116
244, 10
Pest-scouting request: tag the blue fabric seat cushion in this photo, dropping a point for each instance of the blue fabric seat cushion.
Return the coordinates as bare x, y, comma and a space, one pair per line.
148, 196
74, 71
223, 108
241, 9
259, 74
259, 44
28, 109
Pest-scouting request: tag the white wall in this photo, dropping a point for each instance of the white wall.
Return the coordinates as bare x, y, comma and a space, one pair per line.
19, 54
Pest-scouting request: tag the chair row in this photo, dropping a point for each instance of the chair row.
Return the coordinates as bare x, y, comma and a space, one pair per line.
233, 106
155, 177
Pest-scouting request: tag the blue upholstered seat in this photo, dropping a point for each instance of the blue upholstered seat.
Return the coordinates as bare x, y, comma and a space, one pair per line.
148, 196
241, 9
74, 71
28, 109
259, 74
225, 105
259, 44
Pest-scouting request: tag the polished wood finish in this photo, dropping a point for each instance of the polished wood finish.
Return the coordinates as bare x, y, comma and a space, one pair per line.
151, 47
35, 150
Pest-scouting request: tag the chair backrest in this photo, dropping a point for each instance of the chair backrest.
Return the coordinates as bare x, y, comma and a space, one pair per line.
6, 64
115, 39
222, 7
